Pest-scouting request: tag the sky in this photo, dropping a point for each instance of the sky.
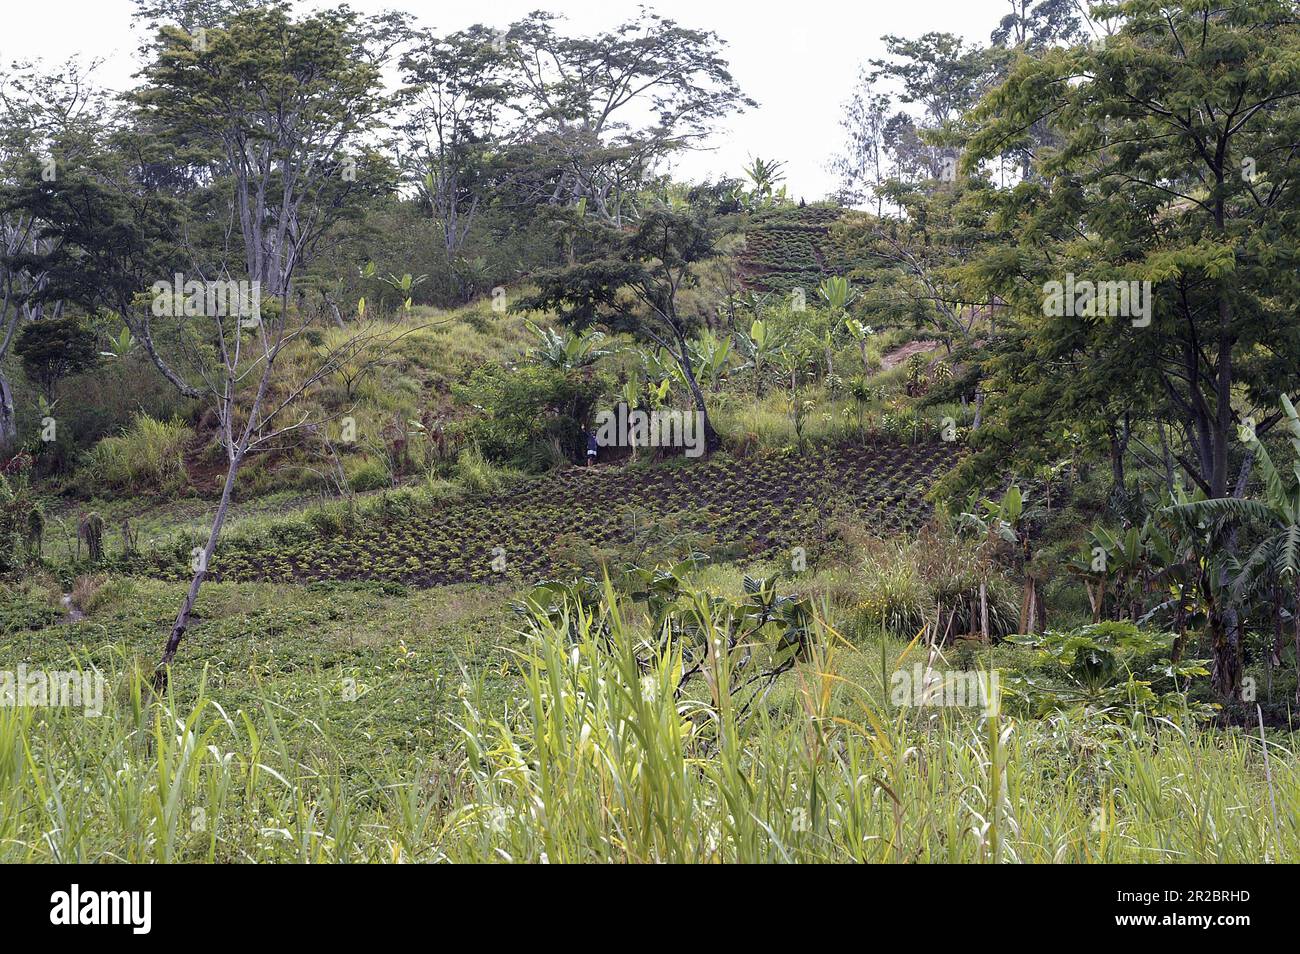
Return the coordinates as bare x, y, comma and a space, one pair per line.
798, 58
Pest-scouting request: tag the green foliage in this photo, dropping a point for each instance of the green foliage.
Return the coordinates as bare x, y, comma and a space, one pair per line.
22, 522
837, 292
894, 599
567, 351
520, 414
147, 457
1110, 667
55, 348
725, 507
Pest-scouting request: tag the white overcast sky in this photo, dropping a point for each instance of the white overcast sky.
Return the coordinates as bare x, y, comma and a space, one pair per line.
798, 58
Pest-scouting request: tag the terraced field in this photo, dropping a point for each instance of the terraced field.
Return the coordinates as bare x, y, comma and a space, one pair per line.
791, 248
563, 522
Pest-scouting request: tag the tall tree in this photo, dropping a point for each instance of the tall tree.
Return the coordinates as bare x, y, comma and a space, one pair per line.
588, 92
287, 107
632, 284
459, 89
47, 122
1177, 166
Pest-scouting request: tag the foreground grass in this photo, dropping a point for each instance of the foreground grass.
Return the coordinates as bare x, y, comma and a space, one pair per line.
584, 756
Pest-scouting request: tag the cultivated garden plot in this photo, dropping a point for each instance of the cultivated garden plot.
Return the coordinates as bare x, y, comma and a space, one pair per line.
738, 507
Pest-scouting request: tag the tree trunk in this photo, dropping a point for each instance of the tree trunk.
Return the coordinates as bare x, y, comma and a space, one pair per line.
191, 597
711, 439
984, 613
1297, 646
8, 420
1226, 625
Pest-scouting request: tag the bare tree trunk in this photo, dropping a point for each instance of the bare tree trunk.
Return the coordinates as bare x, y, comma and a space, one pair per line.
711, 439
187, 607
237, 452
8, 420
984, 612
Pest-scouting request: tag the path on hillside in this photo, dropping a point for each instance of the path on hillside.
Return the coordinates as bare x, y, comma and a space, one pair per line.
892, 359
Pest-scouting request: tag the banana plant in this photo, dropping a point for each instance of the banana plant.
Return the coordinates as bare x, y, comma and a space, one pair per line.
565, 350
1001, 525
758, 347
1273, 566
860, 333
637, 393
765, 174
121, 346
837, 292
994, 520
1124, 559
659, 365
712, 358
405, 286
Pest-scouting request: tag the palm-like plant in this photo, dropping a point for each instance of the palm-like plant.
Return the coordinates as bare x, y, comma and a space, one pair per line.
766, 176
567, 351
1273, 566
837, 293
405, 286
861, 334
758, 346
121, 346
712, 358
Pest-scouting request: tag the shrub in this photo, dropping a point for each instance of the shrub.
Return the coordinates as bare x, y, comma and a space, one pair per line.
21, 523
55, 348
523, 411
477, 474
1109, 668
370, 474
894, 598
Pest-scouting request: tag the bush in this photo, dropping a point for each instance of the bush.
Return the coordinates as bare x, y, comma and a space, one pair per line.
371, 474
524, 412
55, 348
893, 598
1108, 668
147, 457
22, 522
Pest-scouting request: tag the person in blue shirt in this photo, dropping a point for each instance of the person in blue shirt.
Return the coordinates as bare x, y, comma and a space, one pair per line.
591, 448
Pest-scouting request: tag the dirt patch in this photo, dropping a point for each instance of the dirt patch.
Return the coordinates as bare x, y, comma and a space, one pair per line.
893, 359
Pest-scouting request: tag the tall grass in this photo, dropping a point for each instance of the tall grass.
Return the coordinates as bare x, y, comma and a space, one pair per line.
602, 764
598, 761
147, 456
